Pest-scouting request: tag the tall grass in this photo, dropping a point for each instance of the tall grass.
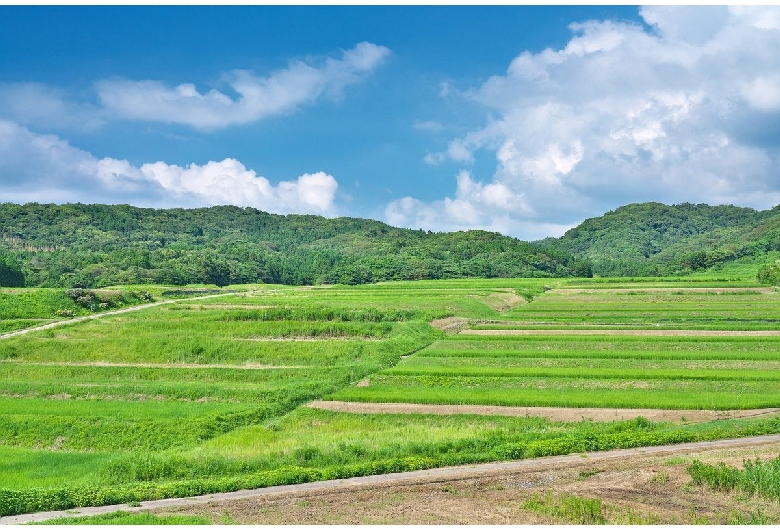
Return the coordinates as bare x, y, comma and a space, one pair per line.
756, 477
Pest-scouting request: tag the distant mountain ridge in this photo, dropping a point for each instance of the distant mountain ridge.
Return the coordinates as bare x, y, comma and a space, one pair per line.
93, 245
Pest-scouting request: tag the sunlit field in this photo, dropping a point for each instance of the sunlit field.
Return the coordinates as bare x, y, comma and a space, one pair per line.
202, 395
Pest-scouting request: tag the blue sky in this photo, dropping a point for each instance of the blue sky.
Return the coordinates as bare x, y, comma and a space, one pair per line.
519, 119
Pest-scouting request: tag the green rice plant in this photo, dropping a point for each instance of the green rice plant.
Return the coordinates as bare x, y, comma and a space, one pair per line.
596, 360
568, 507
48, 467
564, 392
636, 374
182, 386
313, 445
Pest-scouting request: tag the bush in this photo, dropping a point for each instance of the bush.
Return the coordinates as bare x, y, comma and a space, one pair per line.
769, 274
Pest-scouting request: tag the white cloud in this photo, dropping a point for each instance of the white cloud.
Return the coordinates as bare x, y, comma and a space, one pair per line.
258, 97
45, 168
688, 111
475, 205
37, 104
430, 125
762, 93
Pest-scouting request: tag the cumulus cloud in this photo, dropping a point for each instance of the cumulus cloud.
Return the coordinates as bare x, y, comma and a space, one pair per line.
258, 97
494, 207
45, 168
685, 111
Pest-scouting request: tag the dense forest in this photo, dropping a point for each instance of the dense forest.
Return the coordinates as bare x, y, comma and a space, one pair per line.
86, 246
78, 245
653, 239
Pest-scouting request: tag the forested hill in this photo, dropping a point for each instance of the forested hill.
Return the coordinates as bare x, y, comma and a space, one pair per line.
77, 245
653, 239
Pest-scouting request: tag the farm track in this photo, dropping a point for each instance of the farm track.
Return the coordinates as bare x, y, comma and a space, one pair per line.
630, 332
375, 484
105, 314
550, 413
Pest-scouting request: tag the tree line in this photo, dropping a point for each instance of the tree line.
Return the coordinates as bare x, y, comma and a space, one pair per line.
89, 246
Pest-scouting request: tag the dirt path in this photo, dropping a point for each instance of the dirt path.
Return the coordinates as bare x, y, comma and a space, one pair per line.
105, 314
633, 332
252, 506
551, 413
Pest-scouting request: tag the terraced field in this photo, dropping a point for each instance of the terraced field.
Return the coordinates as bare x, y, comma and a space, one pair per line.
199, 396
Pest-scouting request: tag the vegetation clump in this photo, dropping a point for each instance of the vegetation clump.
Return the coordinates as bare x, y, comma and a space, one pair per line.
756, 477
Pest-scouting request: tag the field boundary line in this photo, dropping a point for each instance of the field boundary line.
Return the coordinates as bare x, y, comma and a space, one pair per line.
188, 366
630, 332
105, 314
434, 475
550, 413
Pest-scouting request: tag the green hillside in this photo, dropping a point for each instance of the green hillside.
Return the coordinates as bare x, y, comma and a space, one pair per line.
653, 239
77, 245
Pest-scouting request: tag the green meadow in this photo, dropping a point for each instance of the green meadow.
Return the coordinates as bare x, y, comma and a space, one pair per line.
201, 395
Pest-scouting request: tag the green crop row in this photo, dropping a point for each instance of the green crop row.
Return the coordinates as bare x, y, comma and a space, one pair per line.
606, 355
615, 343
587, 437
104, 433
582, 372
322, 314
663, 361
565, 392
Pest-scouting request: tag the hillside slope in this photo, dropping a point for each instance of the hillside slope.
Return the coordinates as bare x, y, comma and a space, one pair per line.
653, 239
78, 245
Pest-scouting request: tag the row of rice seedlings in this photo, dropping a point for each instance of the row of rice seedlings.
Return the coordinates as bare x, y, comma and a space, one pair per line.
312, 445
115, 409
583, 372
683, 282
22, 467
609, 343
535, 360
565, 392
181, 346
602, 354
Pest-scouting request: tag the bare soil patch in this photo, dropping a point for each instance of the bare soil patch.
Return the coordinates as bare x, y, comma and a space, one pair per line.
502, 300
450, 325
551, 413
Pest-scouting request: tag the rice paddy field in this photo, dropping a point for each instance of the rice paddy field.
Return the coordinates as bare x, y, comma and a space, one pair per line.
206, 394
